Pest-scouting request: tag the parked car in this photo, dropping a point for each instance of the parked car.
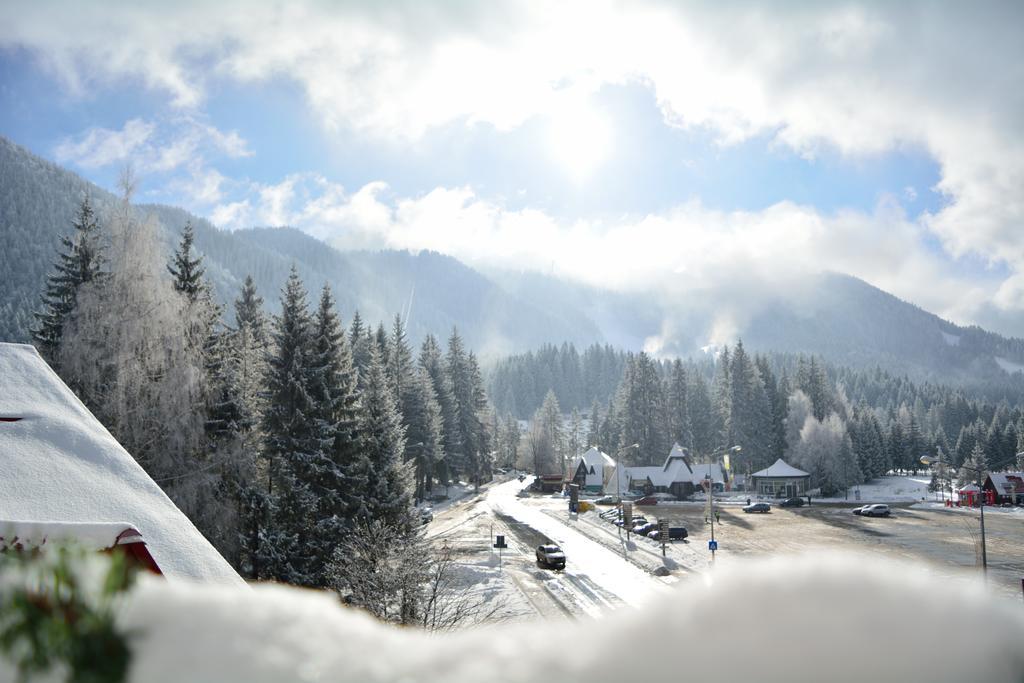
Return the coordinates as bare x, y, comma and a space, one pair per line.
876, 510
606, 500
637, 519
426, 515
675, 533
644, 528
646, 500
860, 510
794, 502
550, 555
661, 495
757, 507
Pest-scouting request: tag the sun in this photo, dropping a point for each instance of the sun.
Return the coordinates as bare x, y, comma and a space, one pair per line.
579, 138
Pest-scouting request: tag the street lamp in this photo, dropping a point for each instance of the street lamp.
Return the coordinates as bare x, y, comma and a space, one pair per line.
930, 460
618, 478
711, 489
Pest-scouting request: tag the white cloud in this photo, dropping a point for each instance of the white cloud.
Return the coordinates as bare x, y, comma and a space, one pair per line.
682, 252
860, 78
99, 147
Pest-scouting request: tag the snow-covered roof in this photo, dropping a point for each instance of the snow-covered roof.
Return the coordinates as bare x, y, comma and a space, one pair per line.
705, 470
781, 469
675, 469
1007, 483
59, 464
593, 458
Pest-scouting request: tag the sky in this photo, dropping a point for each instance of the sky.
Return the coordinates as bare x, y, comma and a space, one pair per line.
640, 145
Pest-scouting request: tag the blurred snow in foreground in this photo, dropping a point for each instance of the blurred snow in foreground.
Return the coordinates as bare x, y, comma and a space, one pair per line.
821, 618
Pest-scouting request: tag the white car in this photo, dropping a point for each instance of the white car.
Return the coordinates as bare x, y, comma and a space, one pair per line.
876, 510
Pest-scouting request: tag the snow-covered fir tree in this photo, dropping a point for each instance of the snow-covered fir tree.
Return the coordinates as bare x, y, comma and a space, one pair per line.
291, 443
389, 487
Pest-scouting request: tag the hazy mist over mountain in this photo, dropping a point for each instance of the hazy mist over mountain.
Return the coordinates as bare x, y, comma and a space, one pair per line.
500, 311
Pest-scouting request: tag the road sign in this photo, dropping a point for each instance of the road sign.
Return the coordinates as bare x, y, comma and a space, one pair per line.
627, 514
499, 542
712, 546
663, 534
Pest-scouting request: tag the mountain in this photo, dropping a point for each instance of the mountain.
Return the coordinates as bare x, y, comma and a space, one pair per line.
839, 317
38, 200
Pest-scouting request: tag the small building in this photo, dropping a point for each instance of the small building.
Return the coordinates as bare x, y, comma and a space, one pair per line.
106, 538
781, 480
549, 483
592, 471
969, 495
1004, 487
65, 476
675, 476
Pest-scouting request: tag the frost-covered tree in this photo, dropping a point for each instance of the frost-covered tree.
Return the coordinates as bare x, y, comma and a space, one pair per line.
127, 352
545, 439
974, 468
78, 263
824, 451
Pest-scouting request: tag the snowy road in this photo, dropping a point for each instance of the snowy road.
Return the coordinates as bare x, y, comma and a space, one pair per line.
595, 577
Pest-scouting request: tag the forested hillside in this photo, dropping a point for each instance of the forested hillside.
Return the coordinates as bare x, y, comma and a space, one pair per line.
38, 201
837, 317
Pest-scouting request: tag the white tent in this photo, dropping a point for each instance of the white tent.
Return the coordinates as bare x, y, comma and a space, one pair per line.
58, 464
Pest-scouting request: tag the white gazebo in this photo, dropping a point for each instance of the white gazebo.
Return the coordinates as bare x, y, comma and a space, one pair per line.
781, 480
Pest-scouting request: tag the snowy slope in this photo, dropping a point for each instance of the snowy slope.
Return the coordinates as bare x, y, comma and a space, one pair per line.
59, 464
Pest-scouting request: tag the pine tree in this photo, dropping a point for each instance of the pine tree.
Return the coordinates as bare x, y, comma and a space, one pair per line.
291, 441
678, 410
389, 490
594, 427
80, 262
249, 311
335, 474
424, 432
702, 416
975, 468
432, 362
749, 420
641, 410
546, 437
357, 339
186, 269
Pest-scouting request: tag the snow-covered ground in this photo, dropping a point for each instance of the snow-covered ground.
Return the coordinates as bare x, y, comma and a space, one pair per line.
589, 565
